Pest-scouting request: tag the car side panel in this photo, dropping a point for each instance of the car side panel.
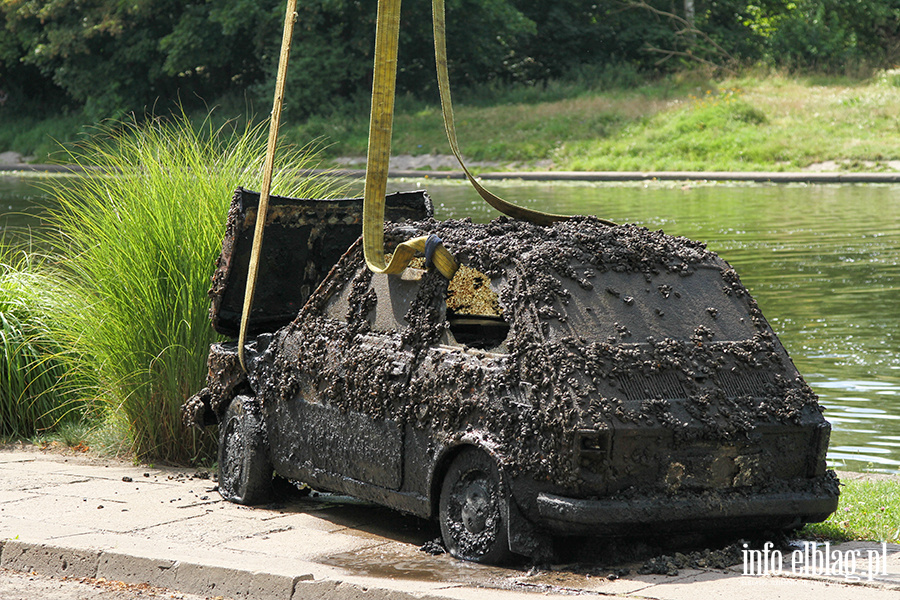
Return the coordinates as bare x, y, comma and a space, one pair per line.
351, 444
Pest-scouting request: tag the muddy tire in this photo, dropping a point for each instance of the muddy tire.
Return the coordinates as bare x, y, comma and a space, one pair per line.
472, 509
245, 471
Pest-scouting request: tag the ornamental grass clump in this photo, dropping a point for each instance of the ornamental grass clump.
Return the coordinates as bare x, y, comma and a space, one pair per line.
138, 235
37, 392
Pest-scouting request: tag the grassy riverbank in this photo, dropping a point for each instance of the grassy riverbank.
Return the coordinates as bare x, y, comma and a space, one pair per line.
686, 122
682, 122
869, 509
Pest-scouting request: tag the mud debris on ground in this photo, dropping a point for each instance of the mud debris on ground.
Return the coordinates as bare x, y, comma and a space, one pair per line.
701, 559
434, 547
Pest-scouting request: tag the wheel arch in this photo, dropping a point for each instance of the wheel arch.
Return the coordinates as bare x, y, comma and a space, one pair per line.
449, 452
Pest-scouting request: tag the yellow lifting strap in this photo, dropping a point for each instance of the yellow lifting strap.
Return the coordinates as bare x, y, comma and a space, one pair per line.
440, 58
387, 34
274, 123
380, 127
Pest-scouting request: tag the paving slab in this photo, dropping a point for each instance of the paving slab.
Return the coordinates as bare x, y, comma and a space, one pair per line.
727, 586
72, 515
17, 527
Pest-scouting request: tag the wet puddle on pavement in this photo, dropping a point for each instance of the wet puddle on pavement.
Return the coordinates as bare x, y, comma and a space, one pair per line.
409, 563
590, 563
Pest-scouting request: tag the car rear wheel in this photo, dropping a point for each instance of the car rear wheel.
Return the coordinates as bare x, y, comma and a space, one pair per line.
245, 471
472, 509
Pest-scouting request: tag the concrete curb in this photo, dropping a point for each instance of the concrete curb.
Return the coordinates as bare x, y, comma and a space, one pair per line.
626, 176
749, 176
595, 176
185, 577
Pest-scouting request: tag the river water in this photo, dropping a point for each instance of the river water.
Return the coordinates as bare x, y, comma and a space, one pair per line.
822, 261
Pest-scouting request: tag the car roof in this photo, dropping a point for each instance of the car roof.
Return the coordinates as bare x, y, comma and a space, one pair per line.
585, 279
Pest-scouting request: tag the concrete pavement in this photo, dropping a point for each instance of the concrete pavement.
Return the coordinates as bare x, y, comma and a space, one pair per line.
76, 516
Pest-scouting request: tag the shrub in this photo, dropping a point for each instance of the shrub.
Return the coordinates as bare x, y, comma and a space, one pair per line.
138, 235
836, 36
36, 390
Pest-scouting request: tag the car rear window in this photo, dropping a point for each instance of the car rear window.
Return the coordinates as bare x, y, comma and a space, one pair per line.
631, 307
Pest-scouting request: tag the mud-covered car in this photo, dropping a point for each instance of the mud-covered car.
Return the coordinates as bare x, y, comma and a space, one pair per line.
570, 379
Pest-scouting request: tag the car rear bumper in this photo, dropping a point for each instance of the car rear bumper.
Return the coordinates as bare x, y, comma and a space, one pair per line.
732, 510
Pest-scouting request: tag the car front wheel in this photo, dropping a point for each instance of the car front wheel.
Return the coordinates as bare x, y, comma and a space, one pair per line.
245, 471
471, 509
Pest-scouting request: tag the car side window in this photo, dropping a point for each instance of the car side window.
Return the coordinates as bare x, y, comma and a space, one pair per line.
474, 312
472, 308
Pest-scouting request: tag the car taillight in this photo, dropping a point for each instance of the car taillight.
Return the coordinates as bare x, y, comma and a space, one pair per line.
592, 449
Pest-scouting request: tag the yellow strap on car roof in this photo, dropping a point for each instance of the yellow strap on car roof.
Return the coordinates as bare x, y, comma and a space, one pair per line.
387, 33
380, 128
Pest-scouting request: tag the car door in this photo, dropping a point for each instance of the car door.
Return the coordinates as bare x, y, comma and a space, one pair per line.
346, 421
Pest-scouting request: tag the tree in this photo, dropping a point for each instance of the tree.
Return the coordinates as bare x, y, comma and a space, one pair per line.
835, 35
103, 53
112, 57
23, 88
217, 46
332, 56
108, 57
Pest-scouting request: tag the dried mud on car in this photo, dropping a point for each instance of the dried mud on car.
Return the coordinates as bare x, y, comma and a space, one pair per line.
596, 379
571, 377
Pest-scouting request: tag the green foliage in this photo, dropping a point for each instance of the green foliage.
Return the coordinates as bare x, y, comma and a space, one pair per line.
23, 88
332, 56
829, 36
220, 46
716, 130
108, 58
103, 53
138, 236
36, 391
833, 35
574, 33
31, 135
773, 123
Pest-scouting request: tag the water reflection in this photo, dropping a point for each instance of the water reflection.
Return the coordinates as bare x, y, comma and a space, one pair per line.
822, 261
21, 203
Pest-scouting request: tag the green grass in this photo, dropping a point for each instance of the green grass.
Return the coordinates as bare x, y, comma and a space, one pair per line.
137, 237
772, 124
614, 120
37, 392
869, 509
684, 122
40, 139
